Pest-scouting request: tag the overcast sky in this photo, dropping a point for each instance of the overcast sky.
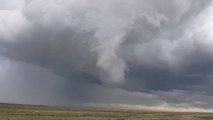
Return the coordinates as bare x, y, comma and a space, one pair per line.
136, 53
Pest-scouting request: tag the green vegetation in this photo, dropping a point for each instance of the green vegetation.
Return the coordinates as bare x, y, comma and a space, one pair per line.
33, 112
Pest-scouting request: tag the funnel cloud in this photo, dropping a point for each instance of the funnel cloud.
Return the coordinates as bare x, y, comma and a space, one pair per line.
132, 53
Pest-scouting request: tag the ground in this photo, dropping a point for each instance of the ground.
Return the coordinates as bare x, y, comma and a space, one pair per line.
37, 112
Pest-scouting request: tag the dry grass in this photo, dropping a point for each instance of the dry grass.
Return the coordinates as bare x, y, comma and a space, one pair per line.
33, 112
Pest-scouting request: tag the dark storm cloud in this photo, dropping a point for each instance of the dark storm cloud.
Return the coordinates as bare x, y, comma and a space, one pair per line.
125, 52
197, 75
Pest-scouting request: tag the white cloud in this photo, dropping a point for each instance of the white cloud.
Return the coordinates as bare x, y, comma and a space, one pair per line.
11, 4
11, 23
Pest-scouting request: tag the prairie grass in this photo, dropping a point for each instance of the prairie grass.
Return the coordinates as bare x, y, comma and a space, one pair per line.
36, 112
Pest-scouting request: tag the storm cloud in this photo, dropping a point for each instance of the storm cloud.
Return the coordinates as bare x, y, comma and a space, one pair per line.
76, 52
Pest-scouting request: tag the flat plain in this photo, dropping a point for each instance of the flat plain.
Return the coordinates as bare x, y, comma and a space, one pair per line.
39, 112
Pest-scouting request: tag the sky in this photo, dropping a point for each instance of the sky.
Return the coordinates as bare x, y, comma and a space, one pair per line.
148, 54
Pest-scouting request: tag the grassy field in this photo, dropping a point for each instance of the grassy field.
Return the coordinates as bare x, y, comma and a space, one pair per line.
33, 112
